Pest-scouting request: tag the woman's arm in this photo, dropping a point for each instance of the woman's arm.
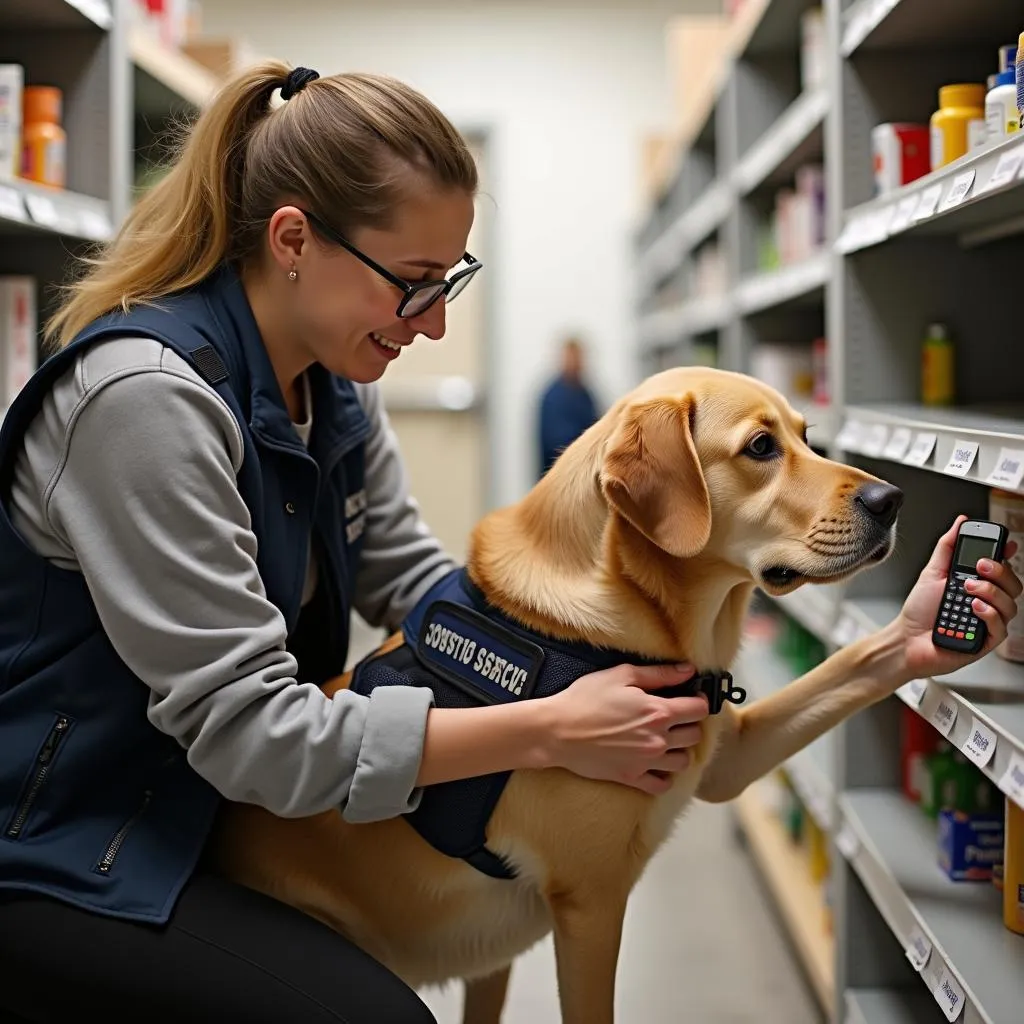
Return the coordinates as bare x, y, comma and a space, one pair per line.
129, 476
773, 729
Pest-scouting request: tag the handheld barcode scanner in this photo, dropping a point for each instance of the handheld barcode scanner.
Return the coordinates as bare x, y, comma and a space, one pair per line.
956, 626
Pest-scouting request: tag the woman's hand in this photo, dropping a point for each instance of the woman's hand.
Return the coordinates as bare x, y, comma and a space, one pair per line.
607, 726
994, 597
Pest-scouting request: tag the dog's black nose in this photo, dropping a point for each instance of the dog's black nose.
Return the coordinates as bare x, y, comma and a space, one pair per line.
882, 502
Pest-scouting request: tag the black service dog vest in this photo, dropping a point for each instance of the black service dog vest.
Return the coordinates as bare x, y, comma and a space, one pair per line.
469, 653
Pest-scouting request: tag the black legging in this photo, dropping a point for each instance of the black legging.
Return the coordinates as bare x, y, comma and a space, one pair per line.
228, 954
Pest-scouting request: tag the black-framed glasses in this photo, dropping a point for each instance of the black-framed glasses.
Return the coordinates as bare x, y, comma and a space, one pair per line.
417, 297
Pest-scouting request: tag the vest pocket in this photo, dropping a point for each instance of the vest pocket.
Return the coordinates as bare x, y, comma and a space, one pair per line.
40, 772
106, 863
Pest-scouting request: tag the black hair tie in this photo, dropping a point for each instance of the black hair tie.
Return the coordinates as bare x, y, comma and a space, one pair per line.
297, 80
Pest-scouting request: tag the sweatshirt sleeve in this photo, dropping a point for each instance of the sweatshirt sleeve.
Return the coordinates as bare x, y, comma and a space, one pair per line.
139, 491
401, 559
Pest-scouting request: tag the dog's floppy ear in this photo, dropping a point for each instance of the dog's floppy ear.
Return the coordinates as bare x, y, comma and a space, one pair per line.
652, 477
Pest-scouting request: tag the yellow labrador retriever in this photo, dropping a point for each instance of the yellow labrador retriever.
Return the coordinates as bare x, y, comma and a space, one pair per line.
648, 536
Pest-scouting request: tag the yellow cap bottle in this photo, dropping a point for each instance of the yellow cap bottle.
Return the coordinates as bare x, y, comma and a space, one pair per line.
961, 112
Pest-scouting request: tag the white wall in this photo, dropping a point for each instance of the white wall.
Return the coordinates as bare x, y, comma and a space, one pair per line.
566, 90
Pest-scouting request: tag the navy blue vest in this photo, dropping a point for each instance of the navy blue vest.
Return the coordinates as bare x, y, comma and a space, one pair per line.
97, 807
470, 653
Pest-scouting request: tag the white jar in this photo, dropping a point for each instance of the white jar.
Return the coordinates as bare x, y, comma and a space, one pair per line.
1002, 118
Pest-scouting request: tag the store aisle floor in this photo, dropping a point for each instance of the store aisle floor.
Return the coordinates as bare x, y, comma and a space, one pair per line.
701, 945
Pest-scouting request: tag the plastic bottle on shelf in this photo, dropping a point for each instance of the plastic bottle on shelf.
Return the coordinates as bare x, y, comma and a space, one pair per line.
938, 367
1007, 507
43, 140
1007, 57
1001, 116
1013, 868
961, 114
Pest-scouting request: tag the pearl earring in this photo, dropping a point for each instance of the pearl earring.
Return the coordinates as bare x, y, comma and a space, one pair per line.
293, 274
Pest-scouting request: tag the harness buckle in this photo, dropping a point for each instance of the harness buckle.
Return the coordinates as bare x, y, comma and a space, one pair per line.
719, 688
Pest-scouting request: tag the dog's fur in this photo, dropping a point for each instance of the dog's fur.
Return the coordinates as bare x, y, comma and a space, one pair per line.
648, 535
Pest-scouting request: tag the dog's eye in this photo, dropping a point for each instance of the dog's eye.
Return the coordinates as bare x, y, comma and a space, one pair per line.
763, 446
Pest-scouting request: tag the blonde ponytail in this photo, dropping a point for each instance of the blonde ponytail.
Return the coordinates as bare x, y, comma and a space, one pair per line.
344, 146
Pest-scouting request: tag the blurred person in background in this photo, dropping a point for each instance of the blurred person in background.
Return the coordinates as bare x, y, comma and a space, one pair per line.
567, 406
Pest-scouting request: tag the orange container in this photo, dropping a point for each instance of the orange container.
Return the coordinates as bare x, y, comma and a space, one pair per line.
1013, 869
43, 140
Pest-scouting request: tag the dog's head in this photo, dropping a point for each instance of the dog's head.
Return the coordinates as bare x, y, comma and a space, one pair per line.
707, 462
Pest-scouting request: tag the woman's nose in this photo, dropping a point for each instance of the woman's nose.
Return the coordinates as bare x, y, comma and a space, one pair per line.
431, 322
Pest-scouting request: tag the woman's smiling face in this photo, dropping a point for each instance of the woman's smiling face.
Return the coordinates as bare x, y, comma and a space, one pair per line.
346, 319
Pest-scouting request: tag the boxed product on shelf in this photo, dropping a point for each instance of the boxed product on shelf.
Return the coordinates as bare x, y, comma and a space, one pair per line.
787, 368
18, 332
1007, 507
918, 742
812, 49
821, 392
798, 220
12, 81
709, 275
900, 154
969, 844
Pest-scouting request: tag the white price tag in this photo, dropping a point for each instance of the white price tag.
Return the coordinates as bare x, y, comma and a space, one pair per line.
1012, 782
943, 715
1009, 469
921, 450
904, 215
899, 444
961, 458
959, 190
928, 203
11, 205
847, 842
919, 949
849, 438
875, 437
42, 210
980, 744
913, 692
949, 995
1007, 169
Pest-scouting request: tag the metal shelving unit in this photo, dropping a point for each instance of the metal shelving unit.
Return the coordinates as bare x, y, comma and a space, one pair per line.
944, 248
121, 89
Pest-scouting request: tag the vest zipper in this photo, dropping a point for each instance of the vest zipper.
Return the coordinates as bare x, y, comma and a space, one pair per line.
42, 770
106, 862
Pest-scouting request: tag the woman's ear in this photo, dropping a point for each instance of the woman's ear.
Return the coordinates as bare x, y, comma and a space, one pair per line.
287, 235
652, 477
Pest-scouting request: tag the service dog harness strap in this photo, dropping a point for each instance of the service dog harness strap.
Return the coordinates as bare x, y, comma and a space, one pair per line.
469, 653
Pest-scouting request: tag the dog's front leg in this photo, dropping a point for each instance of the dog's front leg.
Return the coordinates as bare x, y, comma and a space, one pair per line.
760, 738
588, 930
485, 998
